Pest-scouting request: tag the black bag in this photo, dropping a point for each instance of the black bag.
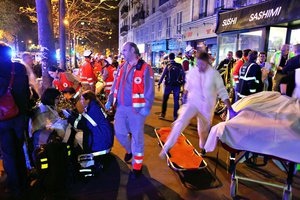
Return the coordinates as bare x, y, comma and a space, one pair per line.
52, 163
174, 76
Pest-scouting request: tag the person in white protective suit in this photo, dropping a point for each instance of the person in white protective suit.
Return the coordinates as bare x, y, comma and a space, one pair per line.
204, 84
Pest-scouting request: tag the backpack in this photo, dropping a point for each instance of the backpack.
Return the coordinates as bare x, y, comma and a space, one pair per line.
174, 76
8, 107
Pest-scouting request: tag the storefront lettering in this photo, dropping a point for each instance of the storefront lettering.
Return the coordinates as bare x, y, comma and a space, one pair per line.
265, 14
230, 21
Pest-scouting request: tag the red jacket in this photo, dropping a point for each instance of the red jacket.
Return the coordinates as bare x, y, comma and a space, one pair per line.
108, 77
66, 80
86, 73
237, 68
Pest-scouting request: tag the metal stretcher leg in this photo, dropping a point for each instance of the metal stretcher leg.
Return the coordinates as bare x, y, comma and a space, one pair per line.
287, 193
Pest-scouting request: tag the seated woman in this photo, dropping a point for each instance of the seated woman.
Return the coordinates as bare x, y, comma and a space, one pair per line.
45, 116
97, 130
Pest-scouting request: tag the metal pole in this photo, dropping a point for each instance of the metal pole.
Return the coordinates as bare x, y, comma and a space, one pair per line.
62, 34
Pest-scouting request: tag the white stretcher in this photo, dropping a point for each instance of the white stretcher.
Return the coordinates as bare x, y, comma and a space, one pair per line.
267, 124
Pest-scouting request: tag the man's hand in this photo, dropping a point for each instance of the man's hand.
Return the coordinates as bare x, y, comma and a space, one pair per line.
107, 105
145, 111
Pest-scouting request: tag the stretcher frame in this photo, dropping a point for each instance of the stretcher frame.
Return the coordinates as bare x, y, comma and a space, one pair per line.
287, 188
171, 164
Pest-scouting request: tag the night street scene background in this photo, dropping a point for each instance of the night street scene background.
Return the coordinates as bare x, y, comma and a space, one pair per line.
149, 99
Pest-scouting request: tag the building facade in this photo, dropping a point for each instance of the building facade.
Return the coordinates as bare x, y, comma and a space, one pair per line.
163, 26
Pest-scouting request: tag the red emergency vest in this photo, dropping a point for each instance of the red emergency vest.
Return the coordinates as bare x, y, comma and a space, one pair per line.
110, 79
138, 86
86, 72
62, 82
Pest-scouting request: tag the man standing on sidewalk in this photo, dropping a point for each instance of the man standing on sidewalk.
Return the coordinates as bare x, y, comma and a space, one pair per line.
174, 79
133, 94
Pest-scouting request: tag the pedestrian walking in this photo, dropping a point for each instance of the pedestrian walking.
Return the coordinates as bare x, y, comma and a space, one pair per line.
133, 95
174, 78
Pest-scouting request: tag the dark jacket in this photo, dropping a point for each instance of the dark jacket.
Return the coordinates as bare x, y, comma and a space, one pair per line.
96, 138
289, 69
180, 79
20, 89
249, 79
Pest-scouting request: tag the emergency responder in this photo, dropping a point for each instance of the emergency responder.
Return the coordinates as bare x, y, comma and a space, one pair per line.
203, 85
278, 61
86, 72
133, 94
250, 77
97, 65
108, 76
188, 60
63, 80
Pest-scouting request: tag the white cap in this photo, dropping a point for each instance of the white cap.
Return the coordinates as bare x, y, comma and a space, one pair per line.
102, 57
189, 49
87, 53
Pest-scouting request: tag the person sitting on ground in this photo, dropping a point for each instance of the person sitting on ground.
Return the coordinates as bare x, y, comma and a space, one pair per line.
203, 85
97, 130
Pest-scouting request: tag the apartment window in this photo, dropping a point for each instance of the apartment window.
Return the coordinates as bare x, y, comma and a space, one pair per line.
203, 8
179, 22
153, 6
219, 5
153, 32
242, 3
159, 30
168, 30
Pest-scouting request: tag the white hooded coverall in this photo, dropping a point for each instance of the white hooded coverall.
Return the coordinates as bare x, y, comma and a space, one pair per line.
203, 89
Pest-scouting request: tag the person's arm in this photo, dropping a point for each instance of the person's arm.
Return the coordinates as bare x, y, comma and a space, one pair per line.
104, 74
220, 88
162, 76
149, 87
288, 67
73, 79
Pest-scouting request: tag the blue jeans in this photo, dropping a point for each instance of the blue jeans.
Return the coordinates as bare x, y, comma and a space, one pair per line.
167, 92
11, 143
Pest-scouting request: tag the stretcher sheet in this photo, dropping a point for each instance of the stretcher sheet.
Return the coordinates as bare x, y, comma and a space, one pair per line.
267, 123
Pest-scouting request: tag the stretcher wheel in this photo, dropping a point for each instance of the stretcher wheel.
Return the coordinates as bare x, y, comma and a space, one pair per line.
233, 188
287, 195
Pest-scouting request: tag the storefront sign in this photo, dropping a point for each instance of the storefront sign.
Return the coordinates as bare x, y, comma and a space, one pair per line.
200, 29
159, 46
174, 44
259, 15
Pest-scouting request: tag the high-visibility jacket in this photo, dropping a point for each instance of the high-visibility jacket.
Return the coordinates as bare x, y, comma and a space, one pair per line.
109, 79
138, 87
66, 80
97, 68
86, 73
236, 69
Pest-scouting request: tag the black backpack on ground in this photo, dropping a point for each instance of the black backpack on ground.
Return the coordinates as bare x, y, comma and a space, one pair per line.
174, 74
52, 161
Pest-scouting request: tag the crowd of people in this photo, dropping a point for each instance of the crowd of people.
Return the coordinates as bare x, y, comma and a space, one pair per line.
72, 106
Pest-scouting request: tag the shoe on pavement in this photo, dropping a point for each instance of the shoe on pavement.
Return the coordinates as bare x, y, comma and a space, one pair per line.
127, 157
161, 116
135, 174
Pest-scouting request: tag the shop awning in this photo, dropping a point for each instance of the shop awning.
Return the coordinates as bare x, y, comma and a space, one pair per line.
259, 15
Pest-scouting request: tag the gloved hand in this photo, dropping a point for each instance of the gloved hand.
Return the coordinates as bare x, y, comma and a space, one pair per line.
232, 113
107, 105
145, 111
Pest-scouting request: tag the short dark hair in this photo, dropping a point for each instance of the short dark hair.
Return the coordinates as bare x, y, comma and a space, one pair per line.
49, 96
252, 56
89, 95
262, 53
69, 90
239, 53
179, 54
203, 56
230, 52
246, 52
5, 52
171, 56
136, 49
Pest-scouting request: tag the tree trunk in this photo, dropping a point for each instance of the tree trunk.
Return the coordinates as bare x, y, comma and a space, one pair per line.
46, 39
62, 34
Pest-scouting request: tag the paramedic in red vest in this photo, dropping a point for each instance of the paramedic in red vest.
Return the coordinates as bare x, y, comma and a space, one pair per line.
86, 72
108, 76
63, 80
133, 94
